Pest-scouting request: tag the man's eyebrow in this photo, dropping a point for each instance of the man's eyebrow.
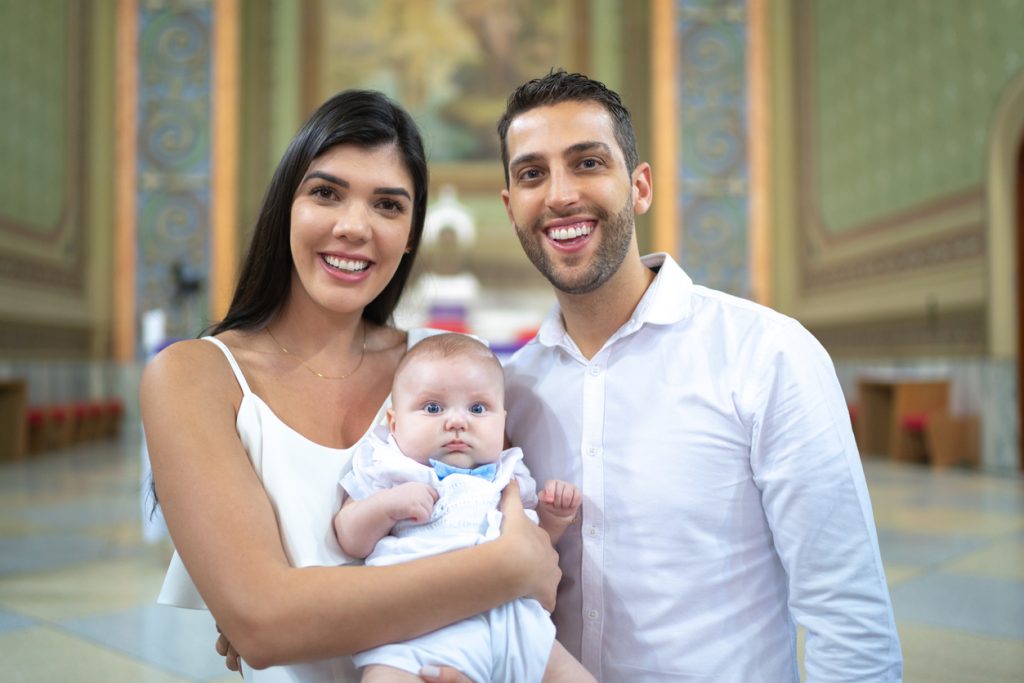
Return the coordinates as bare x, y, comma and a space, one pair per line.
571, 150
528, 158
587, 146
344, 183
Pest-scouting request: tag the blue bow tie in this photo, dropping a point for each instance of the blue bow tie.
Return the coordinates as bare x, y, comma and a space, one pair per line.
487, 471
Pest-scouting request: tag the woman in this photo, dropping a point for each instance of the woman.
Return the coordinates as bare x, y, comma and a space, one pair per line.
249, 434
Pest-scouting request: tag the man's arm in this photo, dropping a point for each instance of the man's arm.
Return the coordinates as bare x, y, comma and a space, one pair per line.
359, 524
815, 498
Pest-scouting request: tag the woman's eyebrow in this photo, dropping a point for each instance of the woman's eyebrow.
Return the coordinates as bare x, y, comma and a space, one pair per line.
392, 190
328, 177
345, 184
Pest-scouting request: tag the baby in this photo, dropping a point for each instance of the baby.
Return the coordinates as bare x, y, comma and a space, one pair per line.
430, 484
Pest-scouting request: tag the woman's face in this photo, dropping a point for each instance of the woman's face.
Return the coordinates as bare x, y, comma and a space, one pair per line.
350, 223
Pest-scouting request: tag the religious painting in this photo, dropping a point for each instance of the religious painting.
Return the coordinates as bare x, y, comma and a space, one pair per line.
451, 63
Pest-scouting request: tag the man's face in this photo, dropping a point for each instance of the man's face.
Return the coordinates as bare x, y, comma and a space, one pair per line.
570, 196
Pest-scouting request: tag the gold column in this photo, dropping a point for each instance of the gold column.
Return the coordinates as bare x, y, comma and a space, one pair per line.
759, 136
224, 162
124, 337
665, 130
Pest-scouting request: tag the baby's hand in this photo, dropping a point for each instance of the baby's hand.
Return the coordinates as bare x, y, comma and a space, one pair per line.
411, 500
560, 499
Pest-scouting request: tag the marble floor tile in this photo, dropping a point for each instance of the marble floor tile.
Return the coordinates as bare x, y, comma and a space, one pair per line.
904, 547
895, 573
84, 589
40, 553
17, 527
176, 640
981, 605
9, 621
1003, 560
45, 654
941, 519
937, 655
78, 514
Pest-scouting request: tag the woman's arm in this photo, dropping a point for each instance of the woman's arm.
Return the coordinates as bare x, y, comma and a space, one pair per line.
224, 528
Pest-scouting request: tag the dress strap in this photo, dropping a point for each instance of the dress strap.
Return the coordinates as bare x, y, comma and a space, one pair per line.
234, 364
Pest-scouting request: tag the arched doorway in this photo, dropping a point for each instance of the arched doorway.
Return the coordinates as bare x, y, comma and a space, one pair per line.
1005, 246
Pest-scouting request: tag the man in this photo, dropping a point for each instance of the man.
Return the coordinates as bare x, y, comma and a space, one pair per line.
724, 498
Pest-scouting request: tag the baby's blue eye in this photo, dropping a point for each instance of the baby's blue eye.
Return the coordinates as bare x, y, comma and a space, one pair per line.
432, 408
478, 409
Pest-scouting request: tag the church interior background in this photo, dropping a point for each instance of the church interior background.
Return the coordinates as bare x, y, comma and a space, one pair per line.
857, 165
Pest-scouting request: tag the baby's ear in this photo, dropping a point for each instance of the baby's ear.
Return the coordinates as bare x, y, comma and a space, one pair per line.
391, 419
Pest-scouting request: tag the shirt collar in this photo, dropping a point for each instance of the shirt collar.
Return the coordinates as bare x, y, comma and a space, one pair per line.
666, 301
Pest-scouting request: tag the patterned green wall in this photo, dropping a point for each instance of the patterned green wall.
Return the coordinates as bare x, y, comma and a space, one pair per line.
33, 63
43, 130
904, 93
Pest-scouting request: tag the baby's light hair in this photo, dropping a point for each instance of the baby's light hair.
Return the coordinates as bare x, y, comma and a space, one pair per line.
450, 345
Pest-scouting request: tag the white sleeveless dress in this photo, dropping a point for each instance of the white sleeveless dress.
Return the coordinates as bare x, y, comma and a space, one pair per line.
301, 479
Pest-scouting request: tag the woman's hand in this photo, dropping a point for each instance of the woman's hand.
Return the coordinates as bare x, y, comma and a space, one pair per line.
536, 557
231, 658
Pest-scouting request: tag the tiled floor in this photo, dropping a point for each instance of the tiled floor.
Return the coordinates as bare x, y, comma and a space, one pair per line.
77, 584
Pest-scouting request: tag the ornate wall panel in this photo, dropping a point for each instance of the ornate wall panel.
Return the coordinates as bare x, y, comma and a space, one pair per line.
713, 166
43, 129
173, 161
894, 101
955, 332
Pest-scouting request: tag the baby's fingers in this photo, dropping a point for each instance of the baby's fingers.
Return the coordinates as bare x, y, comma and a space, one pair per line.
571, 497
560, 495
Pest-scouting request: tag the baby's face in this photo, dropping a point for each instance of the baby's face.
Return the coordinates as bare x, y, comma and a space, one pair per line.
449, 409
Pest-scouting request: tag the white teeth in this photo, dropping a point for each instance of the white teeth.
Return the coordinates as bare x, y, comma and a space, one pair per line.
346, 263
569, 233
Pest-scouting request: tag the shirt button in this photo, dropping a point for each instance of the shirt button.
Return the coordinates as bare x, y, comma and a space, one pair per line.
592, 614
592, 531
595, 370
593, 450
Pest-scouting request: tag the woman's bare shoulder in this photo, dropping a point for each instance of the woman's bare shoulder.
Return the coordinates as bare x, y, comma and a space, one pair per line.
189, 354
193, 364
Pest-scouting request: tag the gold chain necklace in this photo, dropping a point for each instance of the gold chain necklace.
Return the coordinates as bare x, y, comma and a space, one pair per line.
362, 354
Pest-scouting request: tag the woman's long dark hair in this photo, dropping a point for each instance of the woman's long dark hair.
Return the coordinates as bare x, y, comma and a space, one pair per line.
357, 117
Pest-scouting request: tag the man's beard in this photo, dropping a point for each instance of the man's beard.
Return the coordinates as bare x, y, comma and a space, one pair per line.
615, 233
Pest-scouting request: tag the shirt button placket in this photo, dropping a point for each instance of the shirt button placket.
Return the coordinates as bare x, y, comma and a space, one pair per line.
592, 465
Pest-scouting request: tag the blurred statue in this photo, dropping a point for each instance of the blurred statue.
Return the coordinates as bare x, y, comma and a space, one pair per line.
447, 288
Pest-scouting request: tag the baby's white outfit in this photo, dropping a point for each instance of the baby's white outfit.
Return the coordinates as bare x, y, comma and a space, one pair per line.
510, 643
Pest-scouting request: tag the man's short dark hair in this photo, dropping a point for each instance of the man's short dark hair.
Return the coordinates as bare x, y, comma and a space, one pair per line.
557, 87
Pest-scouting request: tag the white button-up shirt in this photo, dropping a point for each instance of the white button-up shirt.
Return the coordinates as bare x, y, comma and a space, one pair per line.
723, 495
